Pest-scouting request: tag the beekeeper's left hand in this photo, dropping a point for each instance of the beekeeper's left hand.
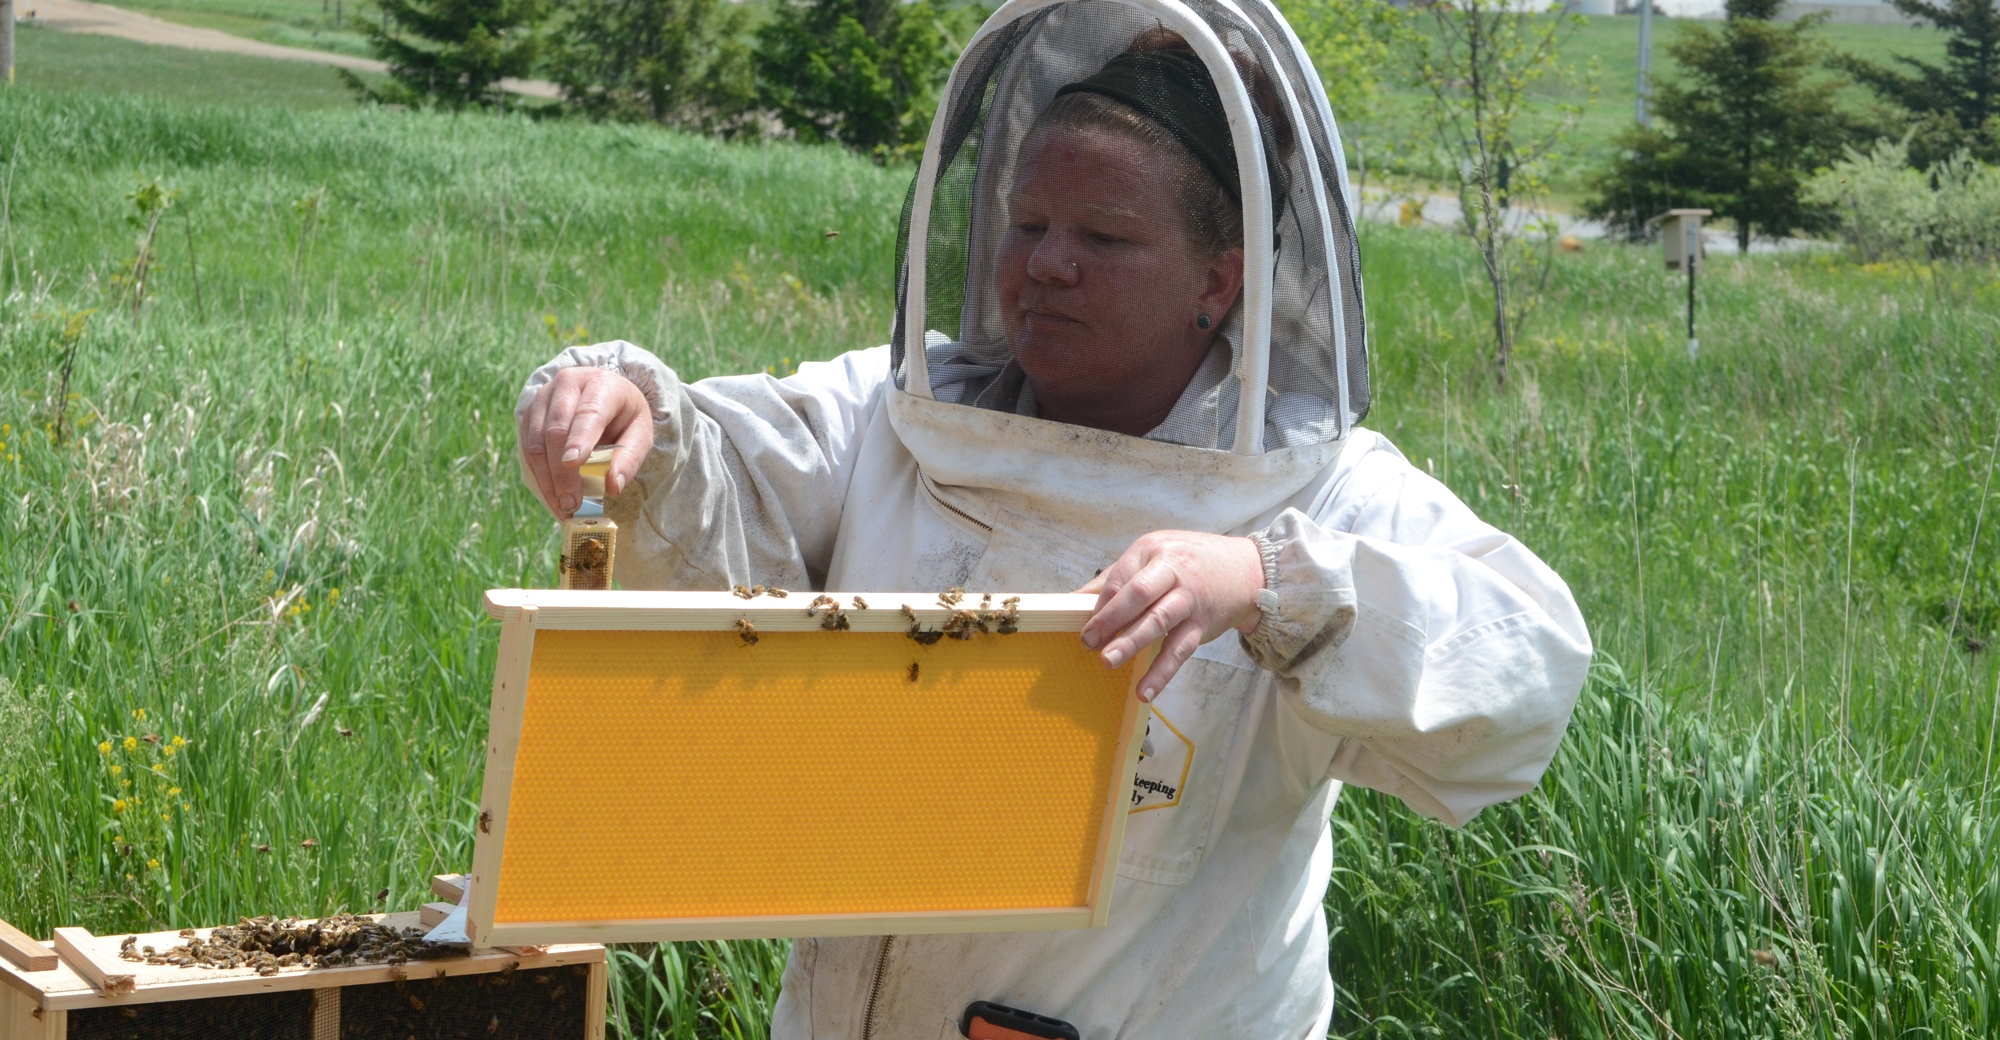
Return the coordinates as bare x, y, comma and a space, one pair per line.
1183, 588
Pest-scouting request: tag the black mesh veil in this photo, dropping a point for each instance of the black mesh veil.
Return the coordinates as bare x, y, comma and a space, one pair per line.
992, 246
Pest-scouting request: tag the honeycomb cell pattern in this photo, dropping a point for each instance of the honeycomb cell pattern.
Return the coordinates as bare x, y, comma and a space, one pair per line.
688, 774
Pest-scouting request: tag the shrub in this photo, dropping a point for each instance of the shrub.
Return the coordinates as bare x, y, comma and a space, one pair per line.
1888, 211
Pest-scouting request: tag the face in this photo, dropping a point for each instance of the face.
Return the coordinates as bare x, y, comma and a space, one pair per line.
1099, 284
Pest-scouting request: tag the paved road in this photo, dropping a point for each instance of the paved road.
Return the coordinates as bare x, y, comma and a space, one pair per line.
1441, 210
105, 20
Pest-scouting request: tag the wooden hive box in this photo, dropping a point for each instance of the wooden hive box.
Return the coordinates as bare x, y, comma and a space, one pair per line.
78, 988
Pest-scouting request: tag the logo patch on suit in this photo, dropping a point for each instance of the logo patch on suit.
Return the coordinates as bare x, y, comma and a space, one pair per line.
1164, 758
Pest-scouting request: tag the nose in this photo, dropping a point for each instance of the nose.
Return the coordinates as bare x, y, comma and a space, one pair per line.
1054, 259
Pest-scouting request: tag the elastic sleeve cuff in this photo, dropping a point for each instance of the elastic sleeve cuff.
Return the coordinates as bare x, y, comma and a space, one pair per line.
1308, 600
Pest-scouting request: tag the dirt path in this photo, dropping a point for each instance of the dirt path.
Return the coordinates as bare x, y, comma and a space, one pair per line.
105, 20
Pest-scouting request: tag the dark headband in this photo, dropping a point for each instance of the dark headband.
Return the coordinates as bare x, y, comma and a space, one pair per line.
1172, 89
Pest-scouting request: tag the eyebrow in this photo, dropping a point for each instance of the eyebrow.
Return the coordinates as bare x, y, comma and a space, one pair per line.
1108, 211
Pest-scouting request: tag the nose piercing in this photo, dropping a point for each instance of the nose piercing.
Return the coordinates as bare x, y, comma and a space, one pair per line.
1203, 322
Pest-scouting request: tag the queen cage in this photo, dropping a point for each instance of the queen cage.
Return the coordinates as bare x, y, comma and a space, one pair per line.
1296, 366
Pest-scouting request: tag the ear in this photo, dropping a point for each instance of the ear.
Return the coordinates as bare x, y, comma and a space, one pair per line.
1225, 282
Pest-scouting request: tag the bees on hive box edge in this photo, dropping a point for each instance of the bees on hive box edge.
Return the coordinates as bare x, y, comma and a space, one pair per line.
747, 630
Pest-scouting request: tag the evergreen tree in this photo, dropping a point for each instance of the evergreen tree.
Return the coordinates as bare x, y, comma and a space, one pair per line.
861, 72
464, 49
1949, 107
679, 62
1737, 133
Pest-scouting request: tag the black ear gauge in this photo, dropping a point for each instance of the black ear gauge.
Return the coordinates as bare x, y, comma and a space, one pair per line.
1203, 322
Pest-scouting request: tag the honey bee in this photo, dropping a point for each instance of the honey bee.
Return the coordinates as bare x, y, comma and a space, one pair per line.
860, 604
586, 563
913, 671
485, 821
343, 731
741, 591
962, 624
776, 593
747, 630
266, 849
951, 596
309, 843
910, 614
924, 638
382, 896
985, 601
822, 601
835, 620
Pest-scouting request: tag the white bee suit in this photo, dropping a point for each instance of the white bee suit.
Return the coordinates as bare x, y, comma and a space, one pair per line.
1412, 649
1405, 645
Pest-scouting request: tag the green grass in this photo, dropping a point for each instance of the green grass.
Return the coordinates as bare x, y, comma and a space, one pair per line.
51, 62
1784, 551
291, 23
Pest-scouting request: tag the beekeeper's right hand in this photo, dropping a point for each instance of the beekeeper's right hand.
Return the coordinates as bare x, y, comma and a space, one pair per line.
580, 409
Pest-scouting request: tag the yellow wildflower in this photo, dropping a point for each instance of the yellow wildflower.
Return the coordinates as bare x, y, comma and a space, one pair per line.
103, 747
131, 743
118, 806
152, 864
158, 768
115, 770
139, 713
168, 751
171, 791
333, 595
180, 742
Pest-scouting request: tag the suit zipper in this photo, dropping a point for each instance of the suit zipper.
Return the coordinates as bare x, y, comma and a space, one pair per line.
962, 514
875, 988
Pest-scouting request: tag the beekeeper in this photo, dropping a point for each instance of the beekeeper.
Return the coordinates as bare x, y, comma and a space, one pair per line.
1129, 358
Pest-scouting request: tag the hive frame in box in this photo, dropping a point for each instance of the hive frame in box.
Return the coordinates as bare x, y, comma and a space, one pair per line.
35, 1004
524, 613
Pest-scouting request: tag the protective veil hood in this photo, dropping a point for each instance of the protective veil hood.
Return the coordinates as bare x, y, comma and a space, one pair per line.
1287, 380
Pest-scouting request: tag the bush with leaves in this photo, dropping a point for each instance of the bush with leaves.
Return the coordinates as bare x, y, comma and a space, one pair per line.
1889, 211
677, 62
1750, 117
452, 53
862, 72
1943, 109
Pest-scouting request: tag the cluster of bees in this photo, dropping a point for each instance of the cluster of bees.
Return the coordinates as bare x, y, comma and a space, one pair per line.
961, 624
754, 591
964, 621
268, 944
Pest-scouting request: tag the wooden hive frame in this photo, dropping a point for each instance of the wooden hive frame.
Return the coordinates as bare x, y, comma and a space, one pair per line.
41, 984
715, 627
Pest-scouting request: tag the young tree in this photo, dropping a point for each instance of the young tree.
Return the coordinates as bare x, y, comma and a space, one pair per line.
1482, 65
466, 48
1350, 42
1949, 107
862, 72
679, 62
1738, 132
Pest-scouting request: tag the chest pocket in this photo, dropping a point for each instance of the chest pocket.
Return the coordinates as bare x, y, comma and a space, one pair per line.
1185, 765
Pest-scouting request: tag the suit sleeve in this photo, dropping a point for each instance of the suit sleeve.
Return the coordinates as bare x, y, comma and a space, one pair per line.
748, 474
1441, 653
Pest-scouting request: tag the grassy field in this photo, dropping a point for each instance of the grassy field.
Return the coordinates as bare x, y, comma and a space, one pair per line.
51, 62
1774, 814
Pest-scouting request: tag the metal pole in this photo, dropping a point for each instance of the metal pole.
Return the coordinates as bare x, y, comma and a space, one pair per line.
7, 38
1693, 261
1645, 60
